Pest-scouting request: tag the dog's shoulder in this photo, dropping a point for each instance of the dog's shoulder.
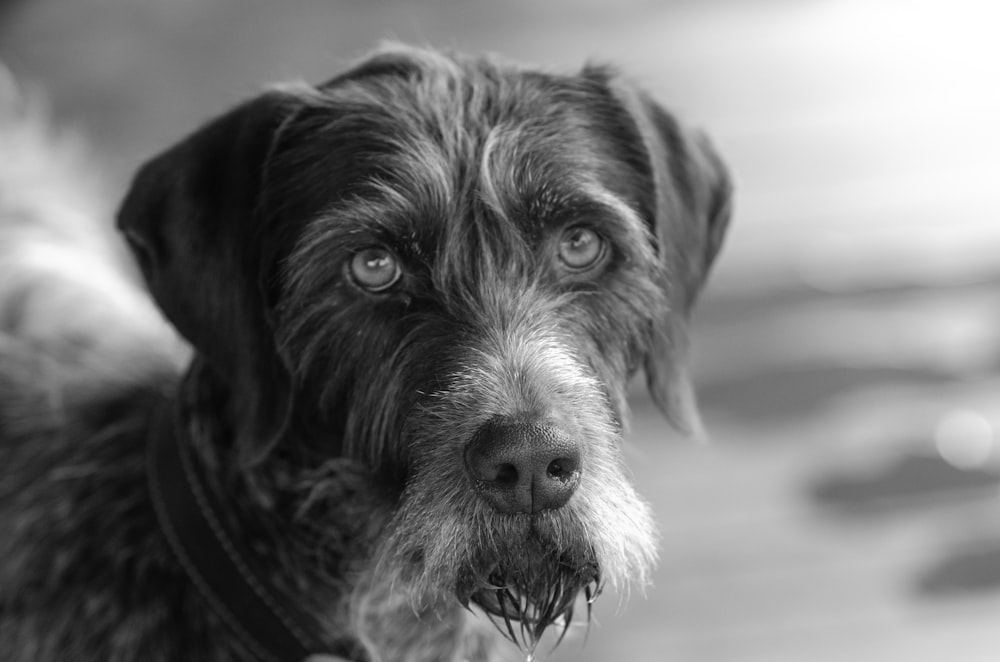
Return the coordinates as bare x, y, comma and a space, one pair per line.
74, 506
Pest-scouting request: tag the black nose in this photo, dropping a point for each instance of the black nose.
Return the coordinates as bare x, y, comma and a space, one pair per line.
523, 467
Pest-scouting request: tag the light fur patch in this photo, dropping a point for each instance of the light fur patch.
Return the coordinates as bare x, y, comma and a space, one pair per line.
523, 369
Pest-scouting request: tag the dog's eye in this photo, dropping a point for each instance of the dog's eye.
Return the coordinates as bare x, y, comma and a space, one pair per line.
580, 248
375, 269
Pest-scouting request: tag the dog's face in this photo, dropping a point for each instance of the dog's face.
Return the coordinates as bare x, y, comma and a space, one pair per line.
448, 269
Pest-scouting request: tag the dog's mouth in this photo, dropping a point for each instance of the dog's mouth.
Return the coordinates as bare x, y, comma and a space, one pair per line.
523, 607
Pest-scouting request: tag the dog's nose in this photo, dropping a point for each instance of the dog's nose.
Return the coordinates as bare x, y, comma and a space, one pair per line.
523, 467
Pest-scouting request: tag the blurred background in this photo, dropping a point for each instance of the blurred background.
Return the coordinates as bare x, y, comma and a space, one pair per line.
848, 349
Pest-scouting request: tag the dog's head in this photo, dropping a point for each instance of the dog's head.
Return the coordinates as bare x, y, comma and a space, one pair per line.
448, 269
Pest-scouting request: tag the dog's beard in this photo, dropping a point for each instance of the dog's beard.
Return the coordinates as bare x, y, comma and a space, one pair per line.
527, 572
531, 583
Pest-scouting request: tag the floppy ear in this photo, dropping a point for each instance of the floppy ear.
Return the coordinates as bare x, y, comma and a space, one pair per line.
194, 220
691, 205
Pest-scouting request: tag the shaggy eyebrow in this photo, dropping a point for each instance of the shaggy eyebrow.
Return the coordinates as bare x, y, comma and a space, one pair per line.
608, 204
378, 209
594, 203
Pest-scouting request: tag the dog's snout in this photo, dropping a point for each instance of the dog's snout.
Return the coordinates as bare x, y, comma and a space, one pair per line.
523, 467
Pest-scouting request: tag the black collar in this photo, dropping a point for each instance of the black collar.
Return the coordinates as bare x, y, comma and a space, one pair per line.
273, 629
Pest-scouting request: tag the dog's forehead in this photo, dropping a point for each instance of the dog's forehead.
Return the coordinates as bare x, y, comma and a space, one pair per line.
420, 144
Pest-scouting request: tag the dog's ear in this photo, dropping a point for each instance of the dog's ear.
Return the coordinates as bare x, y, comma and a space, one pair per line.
690, 203
194, 220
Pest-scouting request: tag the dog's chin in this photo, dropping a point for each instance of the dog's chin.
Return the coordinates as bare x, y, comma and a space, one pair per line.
526, 573
530, 585
524, 607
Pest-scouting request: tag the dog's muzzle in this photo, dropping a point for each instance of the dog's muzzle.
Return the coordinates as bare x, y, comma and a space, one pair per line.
523, 467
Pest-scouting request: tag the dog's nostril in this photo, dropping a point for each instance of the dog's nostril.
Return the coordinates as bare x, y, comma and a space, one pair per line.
562, 468
506, 474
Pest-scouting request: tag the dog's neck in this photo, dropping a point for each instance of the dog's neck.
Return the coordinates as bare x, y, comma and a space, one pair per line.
240, 534
309, 532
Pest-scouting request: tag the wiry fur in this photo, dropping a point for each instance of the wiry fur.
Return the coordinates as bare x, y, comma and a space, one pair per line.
331, 421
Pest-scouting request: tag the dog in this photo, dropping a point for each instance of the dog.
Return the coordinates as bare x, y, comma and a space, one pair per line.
409, 301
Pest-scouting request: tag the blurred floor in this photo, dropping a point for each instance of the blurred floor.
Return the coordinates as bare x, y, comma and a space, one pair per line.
847, 351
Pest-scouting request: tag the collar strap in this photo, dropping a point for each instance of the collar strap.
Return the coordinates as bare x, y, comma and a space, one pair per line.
272, 629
